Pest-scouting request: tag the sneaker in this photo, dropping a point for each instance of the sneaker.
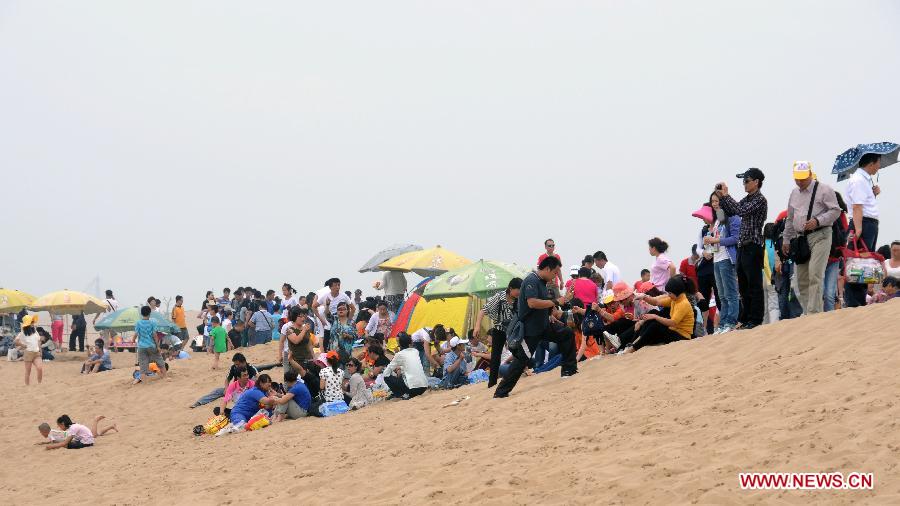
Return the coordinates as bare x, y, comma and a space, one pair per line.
613, 339
726, 329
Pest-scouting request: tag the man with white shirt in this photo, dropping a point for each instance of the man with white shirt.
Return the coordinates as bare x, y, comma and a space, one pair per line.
409, 380
609, 271
111, 305
861, 194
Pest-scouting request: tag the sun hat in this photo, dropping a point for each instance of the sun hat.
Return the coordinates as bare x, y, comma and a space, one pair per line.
645, 287
608, 298
802, 170
29, 320
705, 213
622, 291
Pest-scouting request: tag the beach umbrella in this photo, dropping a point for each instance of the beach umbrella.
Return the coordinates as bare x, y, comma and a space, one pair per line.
428, 262
847, 162
481, 279
13, 301
68, 302
386, 254
124, 319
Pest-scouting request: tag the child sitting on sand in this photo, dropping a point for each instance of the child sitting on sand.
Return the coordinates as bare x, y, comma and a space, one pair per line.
72, 436
99, 361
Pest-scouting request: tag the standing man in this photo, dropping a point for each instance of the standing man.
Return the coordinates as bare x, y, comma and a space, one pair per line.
753, 210
394, 285
533, 312
225, 299
812, 208
499, 308
79, 327
111, 305
861, 193
609, 271
550, 251
179, 318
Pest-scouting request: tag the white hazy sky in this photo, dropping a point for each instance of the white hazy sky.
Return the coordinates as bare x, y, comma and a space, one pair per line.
175, 146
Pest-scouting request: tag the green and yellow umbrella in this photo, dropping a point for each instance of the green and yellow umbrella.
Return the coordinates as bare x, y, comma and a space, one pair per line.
481, 279
13, 301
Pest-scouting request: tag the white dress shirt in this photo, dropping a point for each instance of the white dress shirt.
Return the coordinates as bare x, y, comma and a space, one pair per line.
859, 192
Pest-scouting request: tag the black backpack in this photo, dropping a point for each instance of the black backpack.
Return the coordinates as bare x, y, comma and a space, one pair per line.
839, 236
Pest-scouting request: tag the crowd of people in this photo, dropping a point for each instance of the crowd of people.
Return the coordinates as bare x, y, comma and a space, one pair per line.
335, 346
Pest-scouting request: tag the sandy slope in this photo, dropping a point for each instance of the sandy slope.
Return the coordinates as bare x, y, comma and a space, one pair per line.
671, 424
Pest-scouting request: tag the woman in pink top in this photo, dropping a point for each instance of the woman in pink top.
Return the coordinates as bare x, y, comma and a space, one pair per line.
237, 387
662, 268
584, 288
77, 436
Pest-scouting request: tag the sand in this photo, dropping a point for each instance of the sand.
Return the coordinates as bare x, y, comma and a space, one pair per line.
673, 424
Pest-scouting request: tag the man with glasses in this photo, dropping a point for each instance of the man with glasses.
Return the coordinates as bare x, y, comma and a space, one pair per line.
550, 247
753, 210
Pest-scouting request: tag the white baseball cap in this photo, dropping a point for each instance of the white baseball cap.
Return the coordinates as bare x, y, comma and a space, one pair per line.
456, 341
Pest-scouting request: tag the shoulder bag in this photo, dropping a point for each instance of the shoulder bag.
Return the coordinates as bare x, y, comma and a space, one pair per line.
800, 251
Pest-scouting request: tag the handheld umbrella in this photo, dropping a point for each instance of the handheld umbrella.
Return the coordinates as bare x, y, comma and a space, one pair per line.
847, 162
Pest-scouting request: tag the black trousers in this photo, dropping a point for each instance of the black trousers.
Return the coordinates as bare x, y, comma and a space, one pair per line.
619, 326
750, 284
79, 335
398, 387
498, 340
654, 333
707, 288
562, 336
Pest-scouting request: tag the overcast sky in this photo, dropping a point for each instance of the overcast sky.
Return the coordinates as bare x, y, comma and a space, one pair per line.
176, 146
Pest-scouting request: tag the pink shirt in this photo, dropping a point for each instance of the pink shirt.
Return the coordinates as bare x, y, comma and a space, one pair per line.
659, 273
586, 290
80, 433
234, 389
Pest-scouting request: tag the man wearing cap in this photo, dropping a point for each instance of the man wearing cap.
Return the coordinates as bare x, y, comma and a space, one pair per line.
812, 208
753, 210
455, 367
861, 194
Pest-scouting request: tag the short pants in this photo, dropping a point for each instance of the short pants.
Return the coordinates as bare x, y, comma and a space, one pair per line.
147, 355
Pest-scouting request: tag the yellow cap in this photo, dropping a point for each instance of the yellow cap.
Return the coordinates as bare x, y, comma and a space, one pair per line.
802, 170
29, 320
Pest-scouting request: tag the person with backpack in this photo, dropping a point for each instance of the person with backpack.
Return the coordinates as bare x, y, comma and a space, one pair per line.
839, 231
812, 209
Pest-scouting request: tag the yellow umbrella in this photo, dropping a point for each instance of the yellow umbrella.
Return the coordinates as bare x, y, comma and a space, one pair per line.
68, 302
428, 262
13, 301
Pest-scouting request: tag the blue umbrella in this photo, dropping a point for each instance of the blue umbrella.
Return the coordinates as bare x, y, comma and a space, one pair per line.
846, 163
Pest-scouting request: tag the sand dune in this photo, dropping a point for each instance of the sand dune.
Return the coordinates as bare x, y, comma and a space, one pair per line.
674, 424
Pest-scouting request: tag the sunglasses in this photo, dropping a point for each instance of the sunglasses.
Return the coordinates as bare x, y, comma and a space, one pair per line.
551, 245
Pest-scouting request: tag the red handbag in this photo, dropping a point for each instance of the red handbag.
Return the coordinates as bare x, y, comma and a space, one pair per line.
861, 265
